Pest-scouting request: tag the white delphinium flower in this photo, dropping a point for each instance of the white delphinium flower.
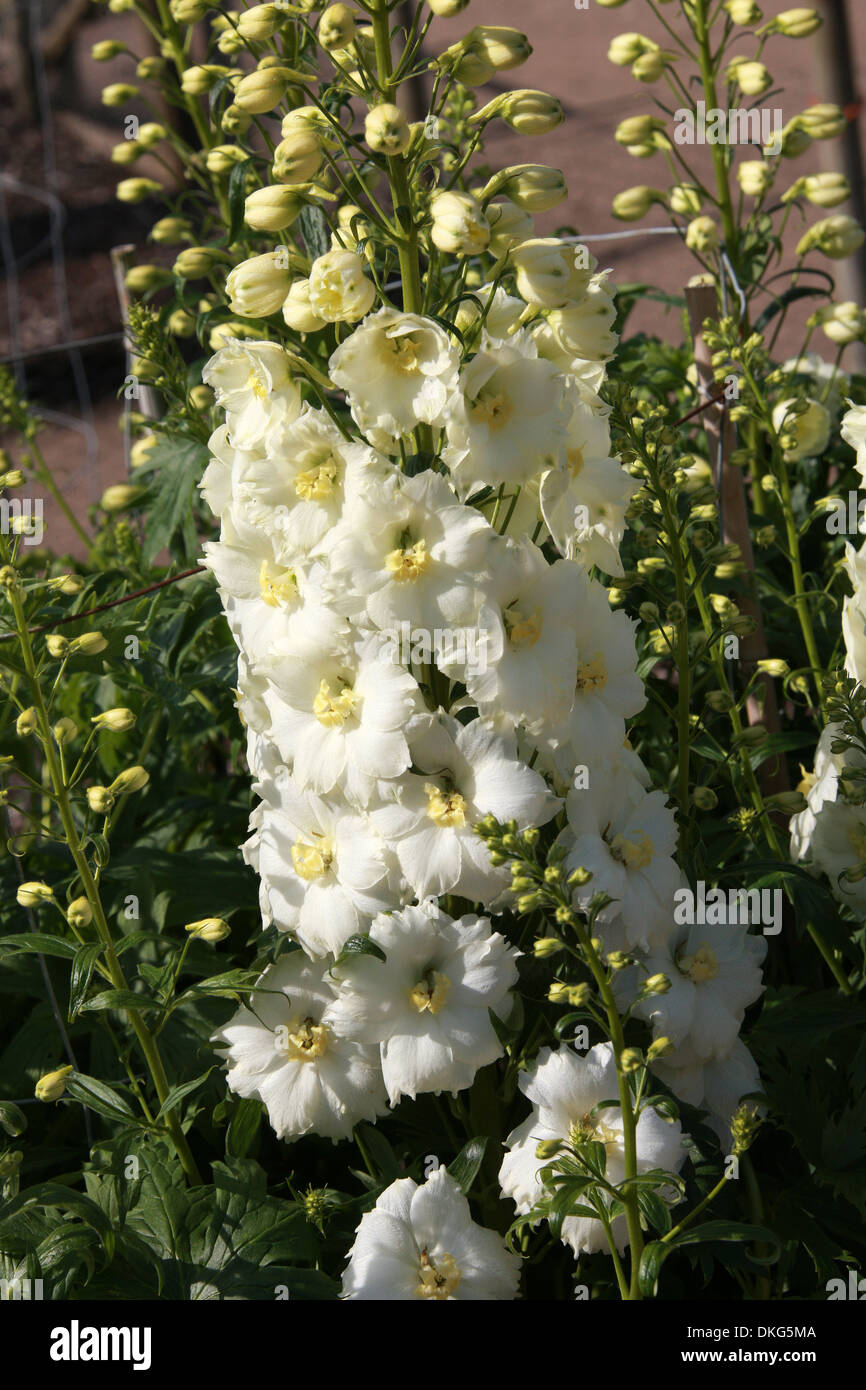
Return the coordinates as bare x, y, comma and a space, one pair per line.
252, 383
714, 973
471, 770
584, 500
398, 371
854, 433
827, 381
339, 713
509, 419
413, 554
716, 1086
579, 338
501, 312
839, 845
216, 483
625, 837
551, 273
309, 478
819, 786
325, 870
528, 617
421, 1243
427, 1004
289, 1055
564, 1088
854, 613
607, 689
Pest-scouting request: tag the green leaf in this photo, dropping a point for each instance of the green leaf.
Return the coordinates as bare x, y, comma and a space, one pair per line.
465, 1166
119, 999
177, 1093
40, 943
314, 230
82, 969
657, 1252
181, 463
99, 1096
243, 1127
359, 946
237, 196
12, 1119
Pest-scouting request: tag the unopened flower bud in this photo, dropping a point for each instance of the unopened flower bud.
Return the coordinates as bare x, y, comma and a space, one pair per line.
88, 644
798, 23
115, 720
258, 286
57, 645
212, 929
100, 800
631, 1059
547, 946
634, 203
64, 730
754, 177
704, 798
120, 497
107, 49
702, 235
33, 894
336, 27
260, 22
27, 722
685, 199
272, 208
262, 90
136, 190
547, 1148
386, 129
132, 779
459, 227
52, 1085
79, 913
533, 187
578, 878
660, 1048
197, 81
119, 94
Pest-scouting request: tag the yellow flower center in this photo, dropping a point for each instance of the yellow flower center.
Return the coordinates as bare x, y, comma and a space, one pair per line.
703, 965
591, 675
309, 1041
575, 461
634, 854
404, 353
445, 808
257, 386
334, 710
310, 861
523, 632
439, 1280
493, 408
408, 565
316, 484
857, 836
431, 993
589, 1129
277, 586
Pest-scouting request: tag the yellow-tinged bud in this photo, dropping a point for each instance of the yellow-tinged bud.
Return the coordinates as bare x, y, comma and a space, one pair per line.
132, 779
100, 800
634, 203
631, 1059
386, 129
201, 397
107, 49
57, 645
837, 237
168, 231
744, 12
115, 720
10, 1162
626, 48
14, 478
119, 94
64, 730
446, 8
547, 1148
656, 984
197, 81
659, 1048
188, 11
754, 177
27, 722
509, 225
181, 324
704, 798
826, 190
149, 69
685, 199
136, 190
753, 78
842, 323
150, 134
618, 960
547, 946
79, 913
824, 121
702, 235
212, 929
638, 130
141, 450
798, 23
271, 209
88, 644
140, 279
298, 158
195, 262
235, 121
223, 158
773, 666
33, 894
52, 1085
297, 311
459, 228
262, 90
336, 27
578, 878
527, 111
503, 47
260, 22
650, 66
533, 187
258, 286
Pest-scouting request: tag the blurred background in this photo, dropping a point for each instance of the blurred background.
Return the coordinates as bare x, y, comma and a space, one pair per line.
60, 316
